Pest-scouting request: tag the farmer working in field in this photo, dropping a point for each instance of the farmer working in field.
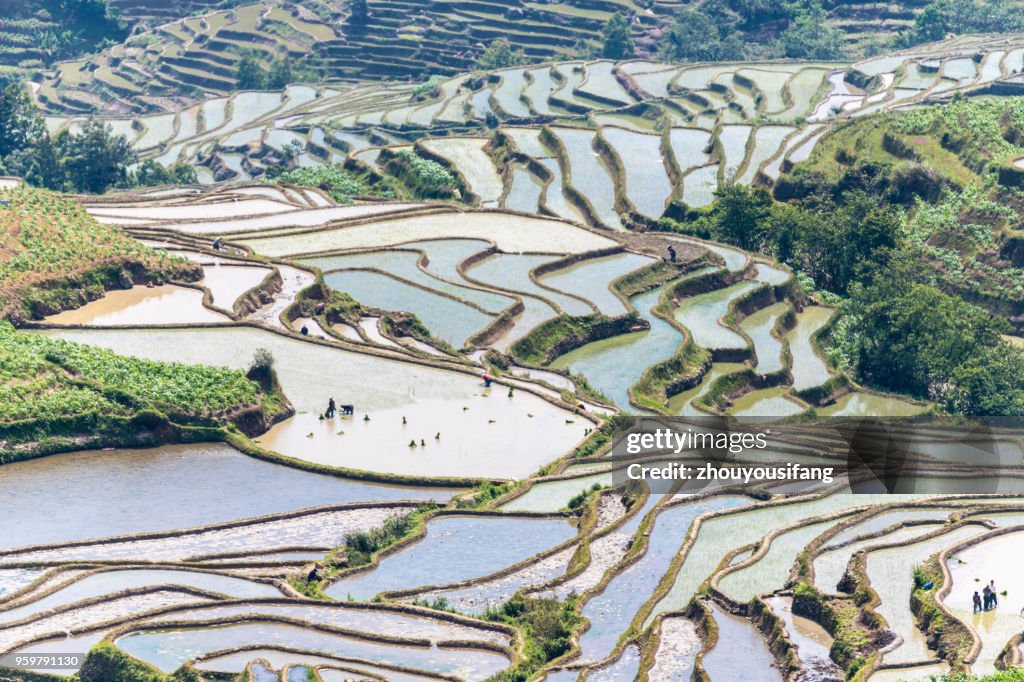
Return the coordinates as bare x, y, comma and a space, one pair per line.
331, 407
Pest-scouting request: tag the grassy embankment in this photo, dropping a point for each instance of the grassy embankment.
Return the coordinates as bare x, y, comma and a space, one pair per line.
57, 396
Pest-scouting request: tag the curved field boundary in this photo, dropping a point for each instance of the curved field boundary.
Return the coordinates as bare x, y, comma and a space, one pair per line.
196, 530
583, 537
421, 532
947, 584
341, 661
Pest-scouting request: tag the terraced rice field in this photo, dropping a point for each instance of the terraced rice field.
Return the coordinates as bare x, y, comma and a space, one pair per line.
410, 539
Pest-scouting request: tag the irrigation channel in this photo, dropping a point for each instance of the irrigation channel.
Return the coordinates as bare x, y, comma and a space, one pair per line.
235, 557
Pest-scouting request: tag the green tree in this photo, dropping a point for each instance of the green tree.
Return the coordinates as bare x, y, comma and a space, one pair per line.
701, 36
151, 173
498, 55
95, 159
280, 73
20, 124
809, 37
911, 337
741, 215
46, 168
359, 12
250, 74
618, 43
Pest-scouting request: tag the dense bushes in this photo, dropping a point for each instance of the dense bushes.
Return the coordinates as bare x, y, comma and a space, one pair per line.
896, 272
548, 626
337, 181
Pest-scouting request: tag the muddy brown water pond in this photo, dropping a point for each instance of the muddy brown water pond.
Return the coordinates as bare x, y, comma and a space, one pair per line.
115, 492
470, 538
167, 304
738, 634
482, 431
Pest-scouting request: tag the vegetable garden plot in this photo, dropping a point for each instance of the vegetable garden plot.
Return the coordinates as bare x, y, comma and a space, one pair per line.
468, 158
125, 482
647, 185
167, 304
510, 233
428, 561
494, 436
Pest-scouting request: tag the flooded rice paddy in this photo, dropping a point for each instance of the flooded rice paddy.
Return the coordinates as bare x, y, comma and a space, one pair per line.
428, 561
116, 490
482, 431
